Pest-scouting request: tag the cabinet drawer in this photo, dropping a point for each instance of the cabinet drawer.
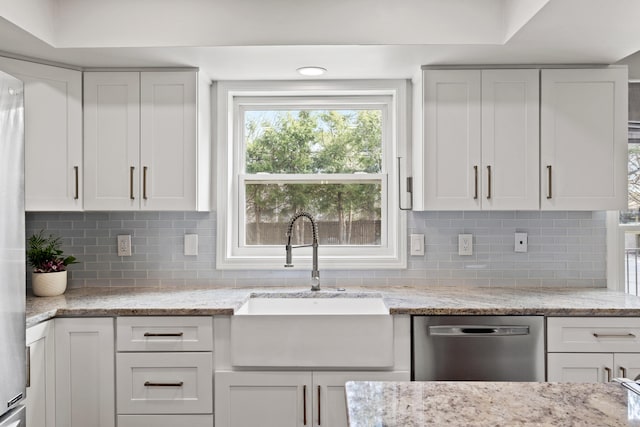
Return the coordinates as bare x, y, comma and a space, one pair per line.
588, 334
164, 333
165, 420
164, 383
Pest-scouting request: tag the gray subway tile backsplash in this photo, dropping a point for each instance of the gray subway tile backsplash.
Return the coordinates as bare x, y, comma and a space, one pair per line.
565, 249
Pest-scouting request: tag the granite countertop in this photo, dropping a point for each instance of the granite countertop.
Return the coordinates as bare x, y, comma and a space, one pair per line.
400, 300
491, 404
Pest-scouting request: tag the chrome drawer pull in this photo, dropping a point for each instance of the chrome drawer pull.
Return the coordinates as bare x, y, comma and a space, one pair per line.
150, 384
153, 334
629, 335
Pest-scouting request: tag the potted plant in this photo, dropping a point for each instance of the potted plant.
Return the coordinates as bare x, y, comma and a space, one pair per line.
49, 277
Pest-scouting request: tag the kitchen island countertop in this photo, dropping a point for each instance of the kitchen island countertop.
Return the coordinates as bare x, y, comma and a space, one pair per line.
125, 301
490, 404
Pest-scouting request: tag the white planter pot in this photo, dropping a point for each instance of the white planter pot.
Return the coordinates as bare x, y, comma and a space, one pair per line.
49, 284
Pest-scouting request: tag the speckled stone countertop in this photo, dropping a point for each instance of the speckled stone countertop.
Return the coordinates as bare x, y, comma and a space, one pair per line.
490, 404
399, 299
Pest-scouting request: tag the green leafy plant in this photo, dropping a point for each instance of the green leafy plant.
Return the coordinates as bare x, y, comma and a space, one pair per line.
44, 254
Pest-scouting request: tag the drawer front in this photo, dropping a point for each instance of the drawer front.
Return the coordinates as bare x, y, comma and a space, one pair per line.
165, 420
163, 333
593, 334
164, 383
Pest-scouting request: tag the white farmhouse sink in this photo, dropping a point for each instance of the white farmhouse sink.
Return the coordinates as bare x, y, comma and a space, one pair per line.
313, 333
312, 306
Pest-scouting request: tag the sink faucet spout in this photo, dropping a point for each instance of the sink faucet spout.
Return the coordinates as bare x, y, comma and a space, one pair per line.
315, 274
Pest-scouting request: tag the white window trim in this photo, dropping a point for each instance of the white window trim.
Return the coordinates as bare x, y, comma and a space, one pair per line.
230, 255
615, 250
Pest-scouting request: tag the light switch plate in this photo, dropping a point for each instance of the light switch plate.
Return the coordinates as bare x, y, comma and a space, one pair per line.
191, 244
417, 244
465, 244
521, 242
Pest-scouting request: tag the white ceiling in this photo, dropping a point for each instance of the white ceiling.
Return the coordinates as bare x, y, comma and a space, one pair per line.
259, 39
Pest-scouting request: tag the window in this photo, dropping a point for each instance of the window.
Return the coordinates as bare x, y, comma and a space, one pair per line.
328, 148
628, 222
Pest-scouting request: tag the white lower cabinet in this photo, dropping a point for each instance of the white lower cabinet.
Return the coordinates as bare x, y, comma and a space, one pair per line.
164, 383
41, 393
287, 398
164, 371
84, 359
165, 420
592, 367
592, 349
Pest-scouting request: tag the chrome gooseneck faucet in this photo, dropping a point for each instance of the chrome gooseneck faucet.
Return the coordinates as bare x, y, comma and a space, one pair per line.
315, 274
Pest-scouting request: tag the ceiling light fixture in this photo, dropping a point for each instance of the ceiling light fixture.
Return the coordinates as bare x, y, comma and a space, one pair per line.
312, 71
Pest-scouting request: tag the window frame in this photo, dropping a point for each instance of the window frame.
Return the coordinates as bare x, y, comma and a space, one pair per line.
392, 96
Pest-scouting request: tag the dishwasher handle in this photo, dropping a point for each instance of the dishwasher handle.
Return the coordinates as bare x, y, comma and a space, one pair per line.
477, 330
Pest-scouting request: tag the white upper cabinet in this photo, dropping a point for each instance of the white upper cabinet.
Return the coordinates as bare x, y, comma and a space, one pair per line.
141, 141
53, 135
452, 139
583, 139
510, 139
481, 136
168, 138
112, 140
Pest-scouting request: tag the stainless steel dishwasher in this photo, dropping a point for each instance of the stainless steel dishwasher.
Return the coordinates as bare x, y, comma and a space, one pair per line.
478, 348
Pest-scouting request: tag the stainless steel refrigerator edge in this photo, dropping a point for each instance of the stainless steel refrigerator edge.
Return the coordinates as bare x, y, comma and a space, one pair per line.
12, 252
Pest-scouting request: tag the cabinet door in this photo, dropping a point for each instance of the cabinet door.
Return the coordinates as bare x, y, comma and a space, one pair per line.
266, 399
85, 387
627, 365
40, 399
452, 166
329, 404
584, 139
112, 140
510, 139
168, 140
53, 135
579, 367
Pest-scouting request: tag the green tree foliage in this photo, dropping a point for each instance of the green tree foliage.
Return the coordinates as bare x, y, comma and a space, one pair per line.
311, 142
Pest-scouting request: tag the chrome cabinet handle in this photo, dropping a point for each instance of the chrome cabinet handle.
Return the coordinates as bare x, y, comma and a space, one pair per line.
131, 171
409, 190
152, 384
144, 182
608, 371
489, 182
28, 384
475, 174
77, 195
627, 335
159, 334
319, 408
549, 193
623, 372
304, 404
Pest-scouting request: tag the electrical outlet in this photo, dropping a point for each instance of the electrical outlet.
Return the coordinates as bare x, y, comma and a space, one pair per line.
124, 245
521, 242
417, 244
465, 244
